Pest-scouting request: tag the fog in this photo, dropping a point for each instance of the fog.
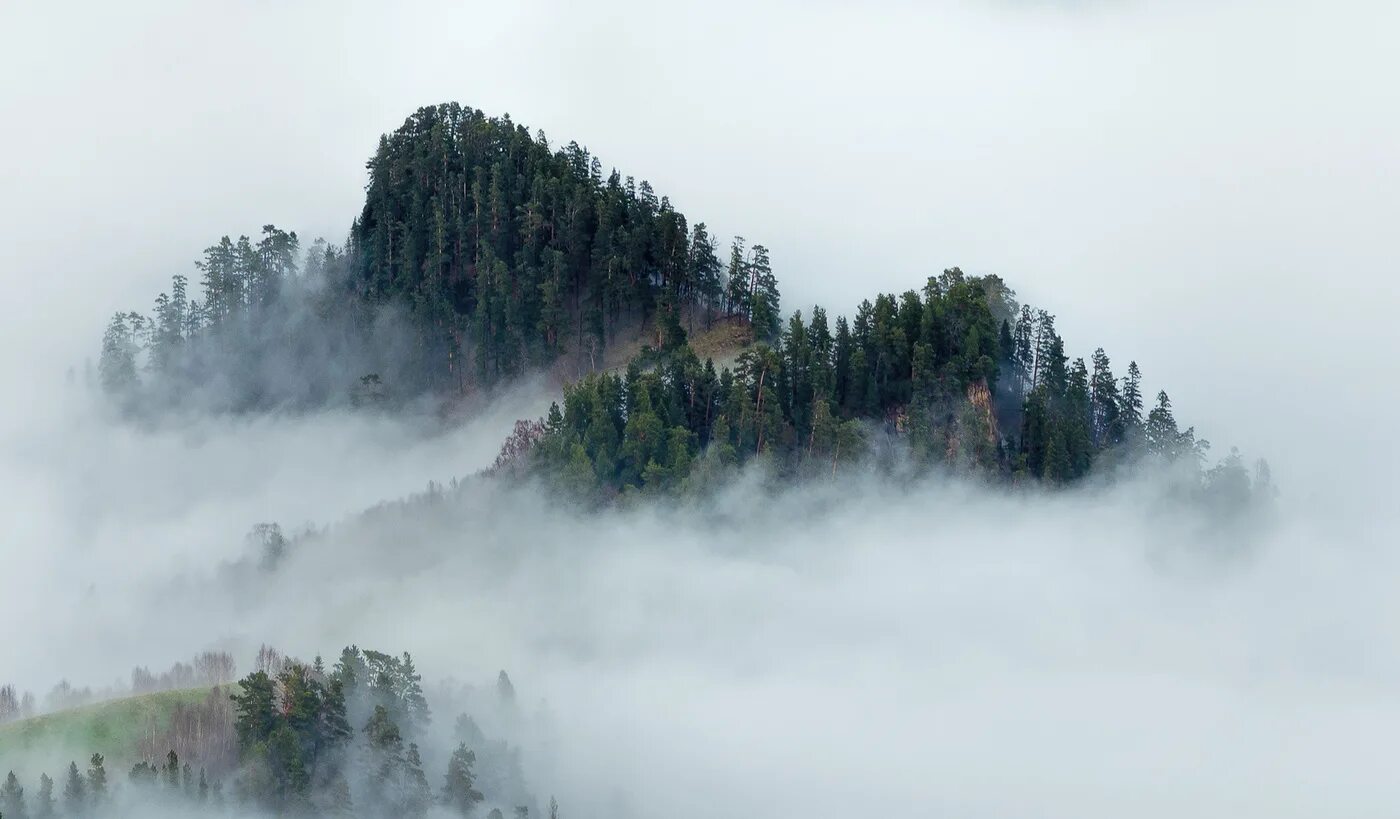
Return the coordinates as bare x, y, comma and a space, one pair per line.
1207, 188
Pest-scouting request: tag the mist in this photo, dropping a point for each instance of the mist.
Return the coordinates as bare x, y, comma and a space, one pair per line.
859, 647
1207, 188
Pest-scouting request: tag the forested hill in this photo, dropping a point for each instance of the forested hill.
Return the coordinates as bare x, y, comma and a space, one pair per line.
481, 252
955, 376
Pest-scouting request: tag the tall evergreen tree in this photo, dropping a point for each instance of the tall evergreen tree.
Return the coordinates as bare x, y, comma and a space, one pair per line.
459, 793
74, 793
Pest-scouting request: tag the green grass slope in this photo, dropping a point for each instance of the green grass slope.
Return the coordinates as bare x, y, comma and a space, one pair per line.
113, 728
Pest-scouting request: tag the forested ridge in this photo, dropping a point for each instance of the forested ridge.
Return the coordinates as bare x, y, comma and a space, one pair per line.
956, 376
482, 253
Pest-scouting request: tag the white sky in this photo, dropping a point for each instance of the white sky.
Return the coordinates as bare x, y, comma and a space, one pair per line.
1211, 188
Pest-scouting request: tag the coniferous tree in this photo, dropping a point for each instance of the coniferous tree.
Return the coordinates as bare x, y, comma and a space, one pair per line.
12, 798
74, 793
44, 805
97, 780
1163, 437
1130, 403
1106, 401
117, 366
459, 792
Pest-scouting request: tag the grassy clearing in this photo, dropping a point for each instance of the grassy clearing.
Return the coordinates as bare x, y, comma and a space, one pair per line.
113, 728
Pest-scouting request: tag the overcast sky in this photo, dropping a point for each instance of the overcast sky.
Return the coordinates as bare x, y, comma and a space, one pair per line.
1211, 187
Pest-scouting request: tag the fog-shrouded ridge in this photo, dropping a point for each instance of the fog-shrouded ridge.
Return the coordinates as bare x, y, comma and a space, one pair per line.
1206, 188
847, 649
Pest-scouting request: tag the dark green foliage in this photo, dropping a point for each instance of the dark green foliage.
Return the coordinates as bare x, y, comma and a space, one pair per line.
480, 252
513, 253
934, 369
672, 423
290, 735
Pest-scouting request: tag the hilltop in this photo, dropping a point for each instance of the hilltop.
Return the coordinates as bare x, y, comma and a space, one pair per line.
483, 253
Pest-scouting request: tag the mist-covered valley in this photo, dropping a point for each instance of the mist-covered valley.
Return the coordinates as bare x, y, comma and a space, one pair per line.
849, 648
894, 594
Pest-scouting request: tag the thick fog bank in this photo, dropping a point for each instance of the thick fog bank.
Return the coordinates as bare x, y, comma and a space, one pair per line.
853, 648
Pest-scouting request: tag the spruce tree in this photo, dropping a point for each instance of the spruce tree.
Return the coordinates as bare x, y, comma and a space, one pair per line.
97, 780
44, 806
458, 793
12, 798
74, 792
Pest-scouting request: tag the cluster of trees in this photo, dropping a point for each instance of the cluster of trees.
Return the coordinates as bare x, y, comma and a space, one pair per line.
175, 784
480, 252
207, 669
309, 741
199, 731
269, 327
804, 402
958, 375
521, 253
318, 741
85, 794
14, 705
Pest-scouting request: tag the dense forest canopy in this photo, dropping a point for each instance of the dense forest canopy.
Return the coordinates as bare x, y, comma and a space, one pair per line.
956, 376
482, 253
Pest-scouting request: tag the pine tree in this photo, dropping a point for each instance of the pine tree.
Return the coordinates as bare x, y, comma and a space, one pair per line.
459, 793
256, 710
505, 690
117, 366
1106, 401
170, 774
765, 308
1162, 435
12, 798
418, 794
97, 780
415, 704
74, 792
705, 270
44, 806
1130, 403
